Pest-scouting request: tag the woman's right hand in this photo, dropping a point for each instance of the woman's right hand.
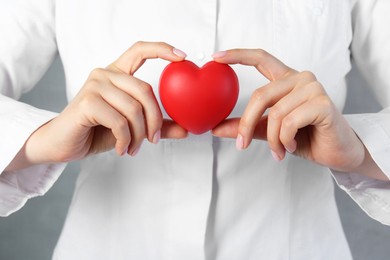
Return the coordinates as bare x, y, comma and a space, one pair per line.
113, 109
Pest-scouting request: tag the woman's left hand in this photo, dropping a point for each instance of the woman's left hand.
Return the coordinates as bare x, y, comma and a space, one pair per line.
301, 120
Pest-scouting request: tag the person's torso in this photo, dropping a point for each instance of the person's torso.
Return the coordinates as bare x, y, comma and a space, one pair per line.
200, 198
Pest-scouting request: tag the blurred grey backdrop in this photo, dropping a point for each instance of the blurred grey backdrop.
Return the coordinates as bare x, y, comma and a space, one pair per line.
32, 232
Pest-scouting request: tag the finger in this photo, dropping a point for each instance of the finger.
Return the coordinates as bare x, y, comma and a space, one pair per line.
260, 100
309, 113
229, 128
128, 107
130, 61
265, 63
143, 93
301, 93
137, 126
171, 130
101, 113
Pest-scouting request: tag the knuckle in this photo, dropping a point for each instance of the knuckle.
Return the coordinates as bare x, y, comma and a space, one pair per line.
260, 53
313, 89
121, 123
92, 84
95, 79
138, 45
87, 102
318, 86
276, 113
162, 44
308, 75
145, 88
288, 123
97, 73
259, 95
135, 108
324, 101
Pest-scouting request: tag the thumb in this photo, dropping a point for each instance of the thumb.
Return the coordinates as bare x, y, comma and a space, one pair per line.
229, 128
171, 130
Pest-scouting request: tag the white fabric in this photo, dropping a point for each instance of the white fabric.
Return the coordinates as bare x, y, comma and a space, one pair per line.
197, 198
371, 50
21, 120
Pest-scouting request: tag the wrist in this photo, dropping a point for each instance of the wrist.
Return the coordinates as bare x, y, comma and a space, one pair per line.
369, 168
33, 152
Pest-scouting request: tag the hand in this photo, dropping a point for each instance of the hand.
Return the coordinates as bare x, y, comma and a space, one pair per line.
112, 109
301, 120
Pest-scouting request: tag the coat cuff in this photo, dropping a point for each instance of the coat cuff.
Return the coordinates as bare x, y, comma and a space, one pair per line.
373, 196
19, 186
19, 121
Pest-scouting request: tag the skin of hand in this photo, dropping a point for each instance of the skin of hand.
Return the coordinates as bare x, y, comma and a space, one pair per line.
301, 119
113, 109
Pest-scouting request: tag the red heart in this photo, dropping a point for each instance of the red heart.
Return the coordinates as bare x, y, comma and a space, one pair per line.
198, 99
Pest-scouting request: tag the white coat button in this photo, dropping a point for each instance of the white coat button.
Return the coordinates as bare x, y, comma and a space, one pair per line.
200, 56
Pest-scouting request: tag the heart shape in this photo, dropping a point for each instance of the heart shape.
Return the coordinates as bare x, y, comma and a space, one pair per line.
198, 99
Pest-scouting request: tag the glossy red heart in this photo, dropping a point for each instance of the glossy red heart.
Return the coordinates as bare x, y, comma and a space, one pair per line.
198, 99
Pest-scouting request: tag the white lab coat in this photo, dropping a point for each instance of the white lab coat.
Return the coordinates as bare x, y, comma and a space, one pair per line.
197, 198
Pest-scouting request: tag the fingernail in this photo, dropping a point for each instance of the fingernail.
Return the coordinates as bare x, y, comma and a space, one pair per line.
135, 152
179, 53
157, 137
292, 147
240, 142
218, 54
276, 156
125, 151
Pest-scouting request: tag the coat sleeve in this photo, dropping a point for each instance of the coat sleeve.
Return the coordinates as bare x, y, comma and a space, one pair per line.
27, 48
371, 52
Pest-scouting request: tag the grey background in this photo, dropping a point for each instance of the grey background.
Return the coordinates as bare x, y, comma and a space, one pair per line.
32, 232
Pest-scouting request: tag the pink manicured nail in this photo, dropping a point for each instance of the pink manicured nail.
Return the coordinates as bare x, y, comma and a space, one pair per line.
240, 142
157, 137
218, 54
135, 152
292, 147
124, 151
276, 156
179, 53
